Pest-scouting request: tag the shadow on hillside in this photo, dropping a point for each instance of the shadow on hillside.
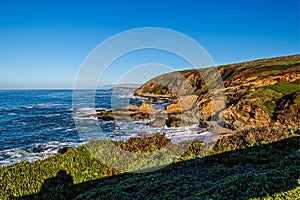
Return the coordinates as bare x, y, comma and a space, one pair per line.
262, 170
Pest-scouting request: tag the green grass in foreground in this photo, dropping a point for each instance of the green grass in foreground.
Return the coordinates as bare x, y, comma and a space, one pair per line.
27, 178
255, 163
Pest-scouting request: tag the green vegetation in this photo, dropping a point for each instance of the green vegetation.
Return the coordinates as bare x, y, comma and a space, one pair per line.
266, 99
193, 83
267, 70
281, 63
144, 144
254, 163
269, 107
268, 96
213, 177
27, 178
160, 89
285, 87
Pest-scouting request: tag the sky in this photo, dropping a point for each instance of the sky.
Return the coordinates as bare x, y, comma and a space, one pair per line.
43, 43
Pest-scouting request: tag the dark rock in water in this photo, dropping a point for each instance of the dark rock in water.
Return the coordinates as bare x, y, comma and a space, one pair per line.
184, 119
145, 111
159, 122
105, 115
160, 119
100, 110
173, 121
139, 115
38, 150
64, 150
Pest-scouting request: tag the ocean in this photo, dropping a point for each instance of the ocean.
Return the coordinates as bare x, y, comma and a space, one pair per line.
34, 124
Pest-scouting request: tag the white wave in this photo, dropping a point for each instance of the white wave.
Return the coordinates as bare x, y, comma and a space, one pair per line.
47, 105
28, 107
12, 114
123, 96
115, 130
34, 152
84, 113
193, 132
52, 115
70, 129
83, 109
123, 130
205, 136
139, 97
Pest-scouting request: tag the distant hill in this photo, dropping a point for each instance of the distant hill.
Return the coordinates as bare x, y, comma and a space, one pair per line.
125, 86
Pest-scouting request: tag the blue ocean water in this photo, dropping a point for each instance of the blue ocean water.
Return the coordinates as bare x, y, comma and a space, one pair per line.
34, 124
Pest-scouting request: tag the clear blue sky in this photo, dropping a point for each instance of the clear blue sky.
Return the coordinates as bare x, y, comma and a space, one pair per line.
44, 42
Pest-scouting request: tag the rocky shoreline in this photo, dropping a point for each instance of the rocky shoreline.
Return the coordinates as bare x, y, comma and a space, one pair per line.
258, 157
256, 94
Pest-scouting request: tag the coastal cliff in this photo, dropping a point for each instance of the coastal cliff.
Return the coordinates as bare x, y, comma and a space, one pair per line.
256, 93
260, 161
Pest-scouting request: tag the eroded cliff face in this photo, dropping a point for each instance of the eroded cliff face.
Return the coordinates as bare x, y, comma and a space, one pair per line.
240, 95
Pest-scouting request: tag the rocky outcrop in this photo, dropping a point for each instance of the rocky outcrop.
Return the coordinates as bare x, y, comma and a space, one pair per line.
131, 112
146, 107
172, 85
256, 93
182, 104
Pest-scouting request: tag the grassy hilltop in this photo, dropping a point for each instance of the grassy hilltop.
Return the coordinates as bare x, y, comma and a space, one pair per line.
260, 160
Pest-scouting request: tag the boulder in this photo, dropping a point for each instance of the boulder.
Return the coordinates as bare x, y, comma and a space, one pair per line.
64, 150
146, 107
160, 119
182, 104
158, 122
